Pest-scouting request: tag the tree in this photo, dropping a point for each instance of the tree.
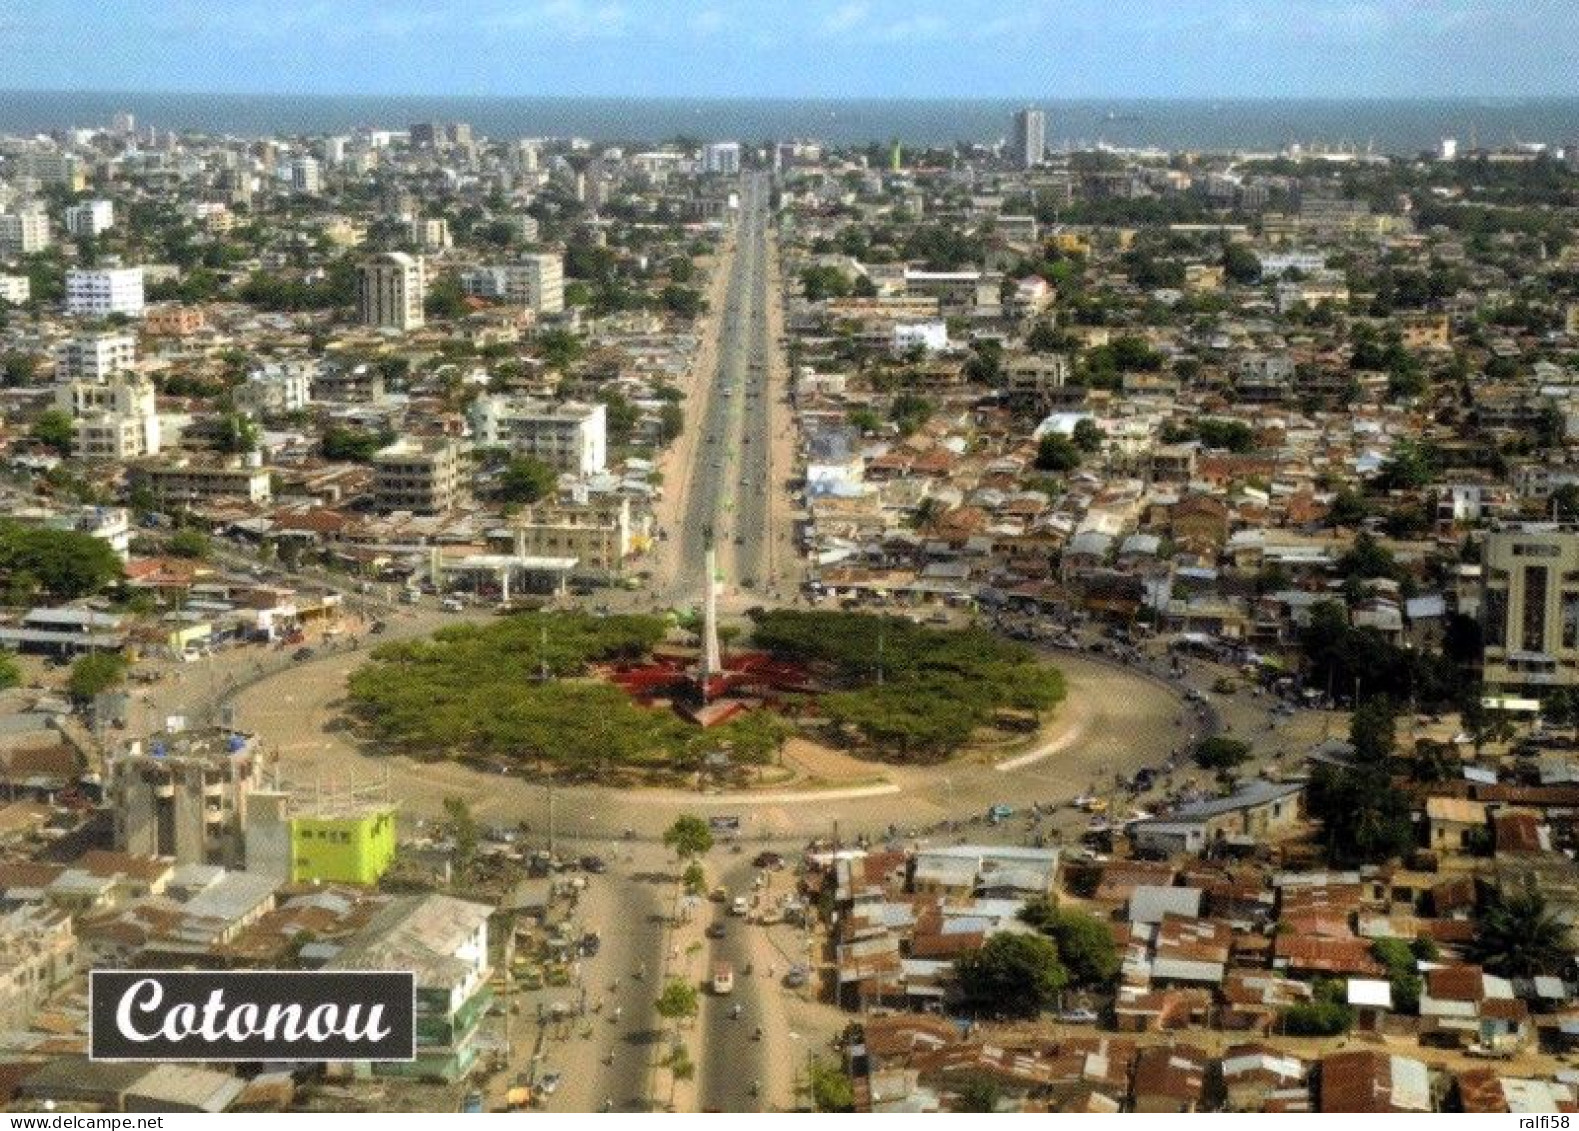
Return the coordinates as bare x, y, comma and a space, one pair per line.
977, 1094
353, 444
95, 673
1087, 436
17, 368
188, 544
526, 480
678, 1000
1012, 975
909, 412
237, 433
1241, 264
1219, 752
1085, 943
463, 832
689, 836
1373, 731
10, 671
671, 422
62, 563
55, 430
831, 1089
1517, 935
1057, 452
446, 299
1365, 818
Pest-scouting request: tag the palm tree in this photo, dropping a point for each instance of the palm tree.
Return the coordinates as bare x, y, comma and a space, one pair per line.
1519, 936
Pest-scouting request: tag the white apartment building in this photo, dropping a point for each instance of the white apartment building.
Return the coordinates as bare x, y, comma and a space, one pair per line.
103, 291
94, 357
536, 282
116, 419
15, 289
568, 435
721, 157
390, 288
89, 218
24, 231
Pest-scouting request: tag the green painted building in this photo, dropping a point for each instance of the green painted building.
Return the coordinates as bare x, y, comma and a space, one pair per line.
343, 848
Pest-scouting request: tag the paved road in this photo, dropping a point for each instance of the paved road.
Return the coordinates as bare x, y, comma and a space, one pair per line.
728, 483
731, 1060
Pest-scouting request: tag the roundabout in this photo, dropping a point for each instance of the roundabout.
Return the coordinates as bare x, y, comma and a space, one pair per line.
1113, 721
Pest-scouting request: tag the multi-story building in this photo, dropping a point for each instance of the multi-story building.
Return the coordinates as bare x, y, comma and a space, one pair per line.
173, 320
278, 387
89, 218
94, 357
722, 157
306, 176
15, 289
598, 533
51, 167
38, 954
116, 418
416, 475
24, 231
430, 234
566, 435
1030, 137
390, 288
536, 282
187, 481
184, 796
444, 942
1529, 606
103, 291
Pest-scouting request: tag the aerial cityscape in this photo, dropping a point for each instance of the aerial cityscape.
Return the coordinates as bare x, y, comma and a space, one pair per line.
611, 597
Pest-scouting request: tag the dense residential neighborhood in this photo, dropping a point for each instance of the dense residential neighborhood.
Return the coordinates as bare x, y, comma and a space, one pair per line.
1081, 630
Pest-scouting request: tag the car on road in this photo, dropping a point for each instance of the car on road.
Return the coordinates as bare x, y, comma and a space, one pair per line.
798, 975
723, 979
740, 906
594, 864
716, 929
772, 861
302, 654
999, 812
590, 944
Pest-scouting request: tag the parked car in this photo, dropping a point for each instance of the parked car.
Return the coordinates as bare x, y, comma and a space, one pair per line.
716, 929
594, 864
1078, 1017
548, 1083
302, 654
798, 975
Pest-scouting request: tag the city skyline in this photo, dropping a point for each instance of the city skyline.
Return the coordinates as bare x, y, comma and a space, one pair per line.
829, 48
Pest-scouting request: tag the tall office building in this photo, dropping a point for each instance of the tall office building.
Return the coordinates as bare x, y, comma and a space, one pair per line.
1529, 606
390, 288
721, 157
1030, 137
306, 176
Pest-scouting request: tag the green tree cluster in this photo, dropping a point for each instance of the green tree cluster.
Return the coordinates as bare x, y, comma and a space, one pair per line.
60, 563
907, 690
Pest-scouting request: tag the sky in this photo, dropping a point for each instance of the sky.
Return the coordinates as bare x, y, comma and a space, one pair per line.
798, 48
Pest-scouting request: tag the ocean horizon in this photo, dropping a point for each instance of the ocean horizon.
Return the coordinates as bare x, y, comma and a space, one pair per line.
1396, 126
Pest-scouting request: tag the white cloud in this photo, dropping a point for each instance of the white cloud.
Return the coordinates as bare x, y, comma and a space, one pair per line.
845, 18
